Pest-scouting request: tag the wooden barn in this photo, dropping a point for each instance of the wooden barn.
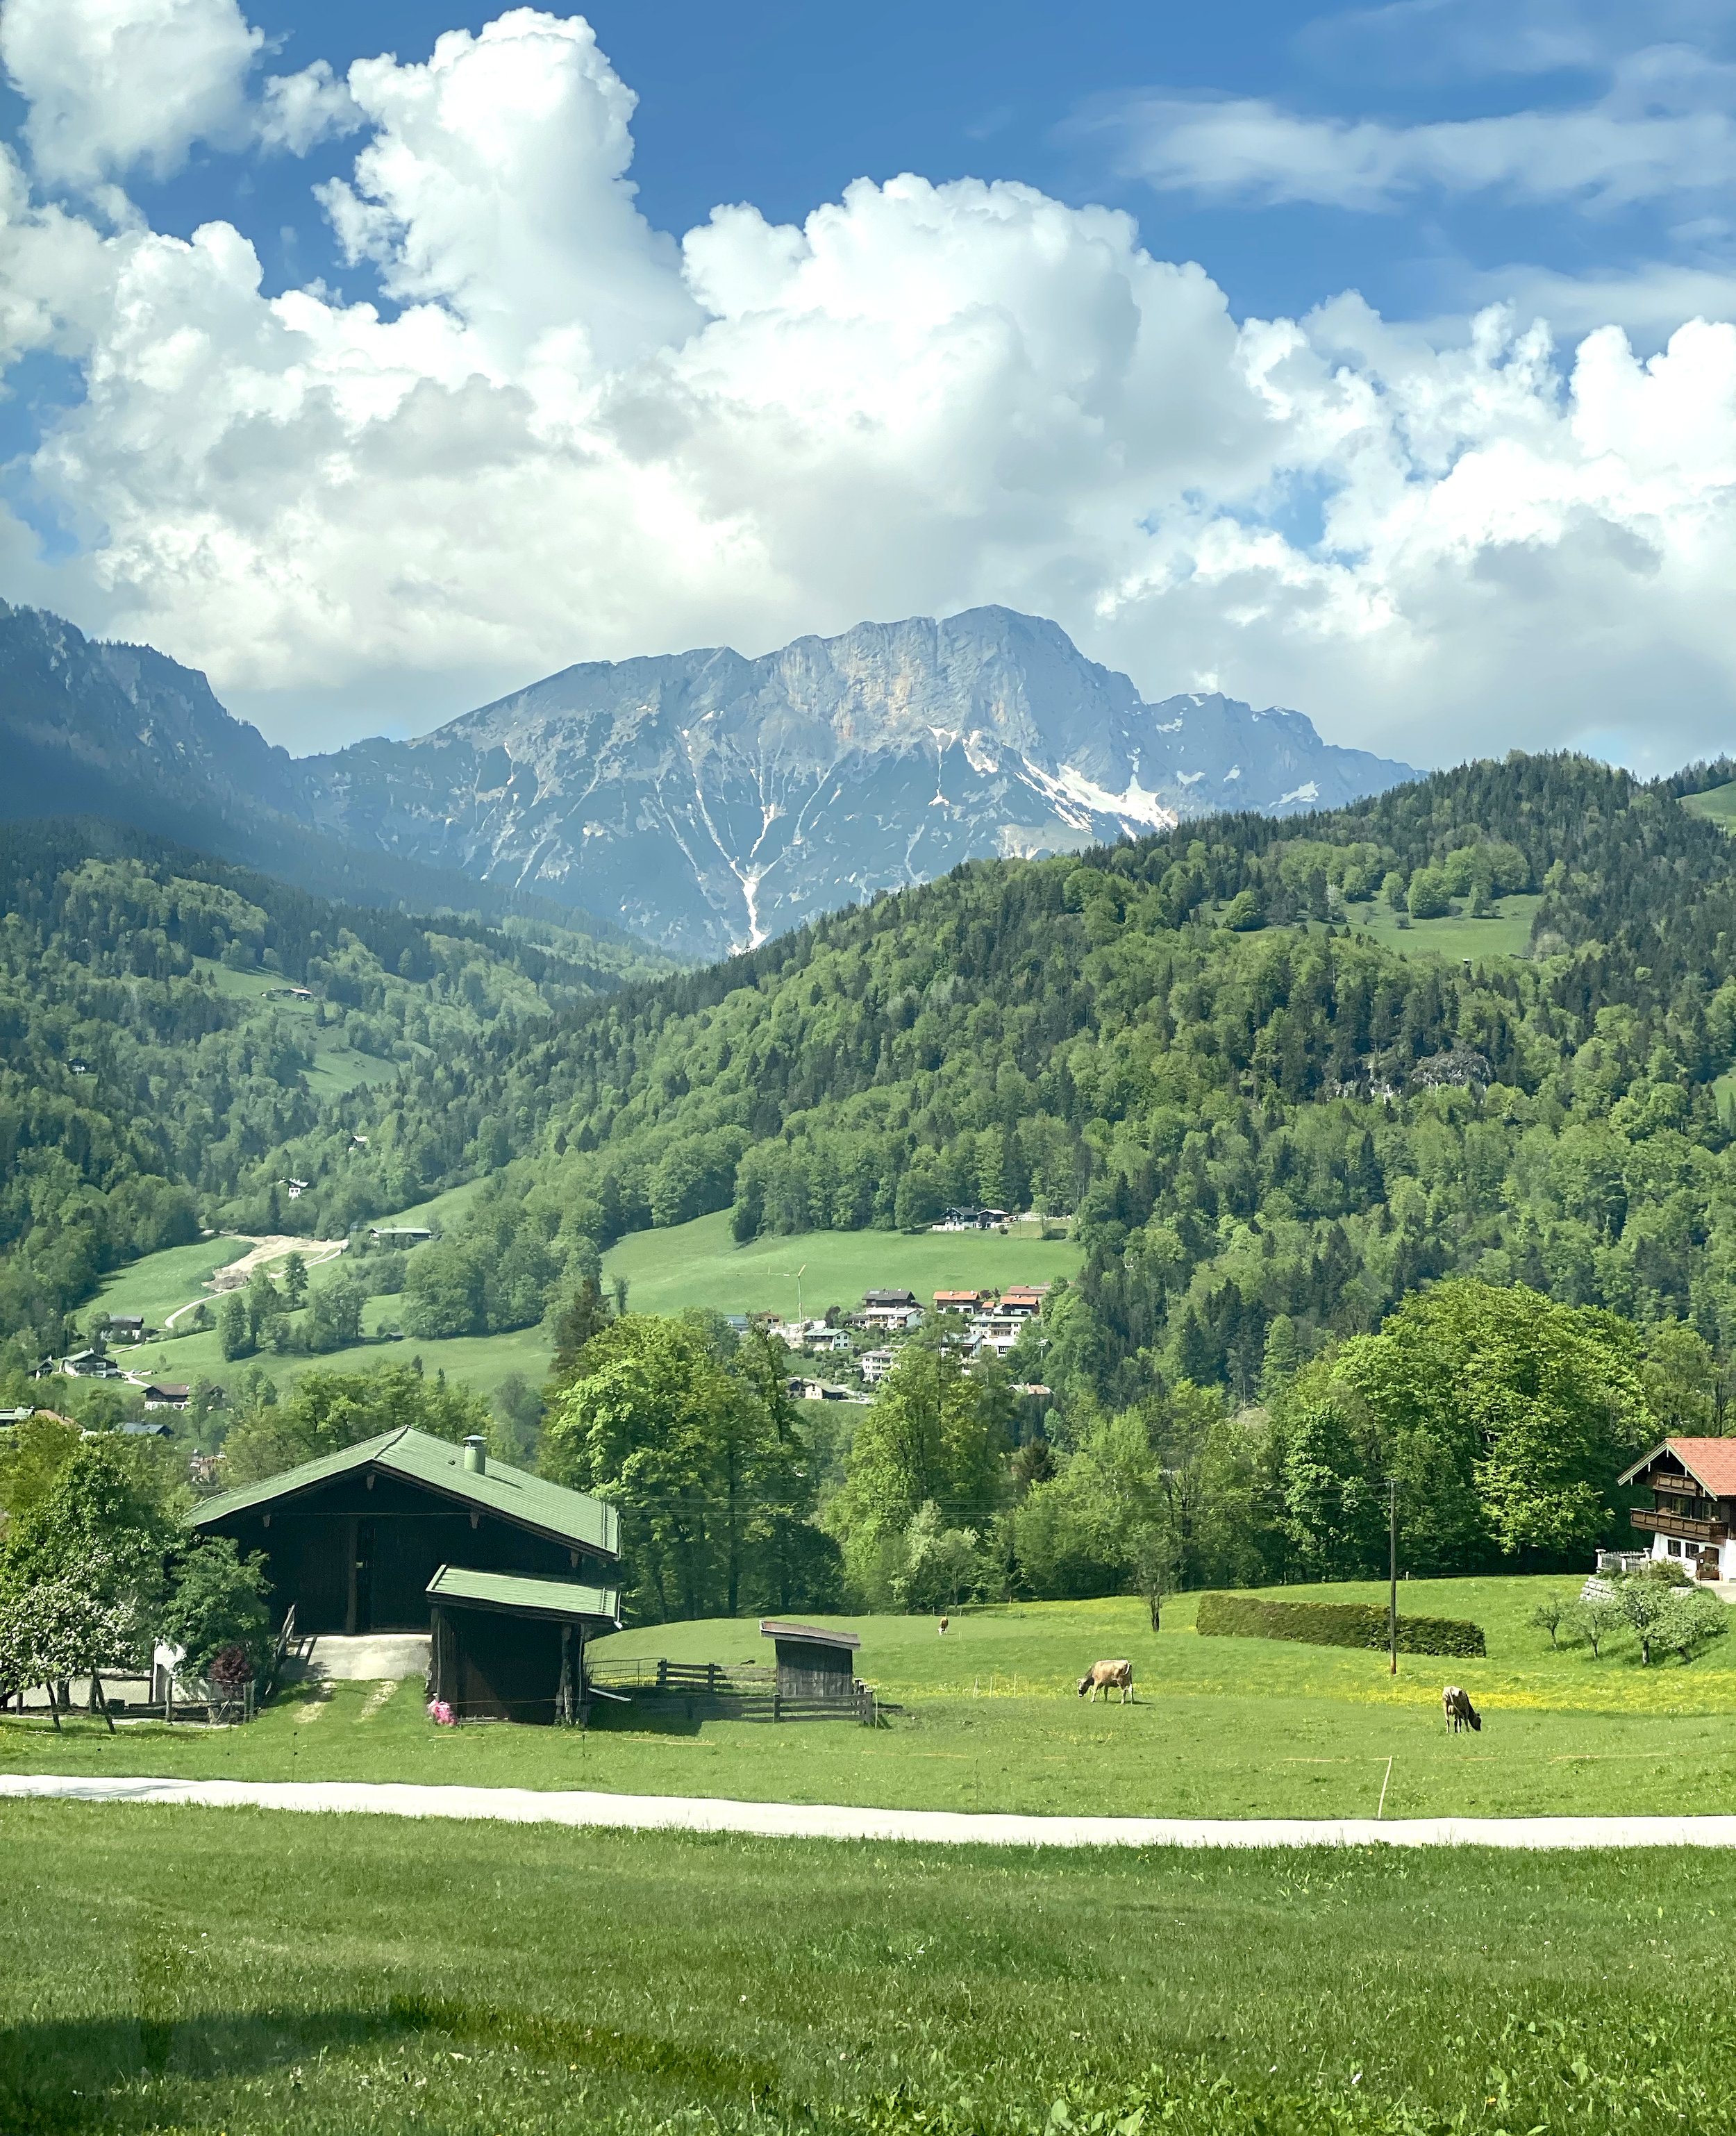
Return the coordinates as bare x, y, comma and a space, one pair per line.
508, 1646
812, 1663
354, 1540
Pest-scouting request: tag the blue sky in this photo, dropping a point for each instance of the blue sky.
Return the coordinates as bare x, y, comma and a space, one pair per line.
782, 104
1406, 396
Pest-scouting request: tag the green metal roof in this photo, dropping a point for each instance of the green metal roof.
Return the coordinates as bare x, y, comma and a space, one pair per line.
416, 1456
524, 1594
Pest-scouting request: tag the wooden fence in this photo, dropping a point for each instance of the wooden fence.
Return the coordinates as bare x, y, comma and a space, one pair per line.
730, 1691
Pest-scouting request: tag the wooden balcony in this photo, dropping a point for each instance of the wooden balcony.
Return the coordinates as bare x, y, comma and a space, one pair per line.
1652, 1521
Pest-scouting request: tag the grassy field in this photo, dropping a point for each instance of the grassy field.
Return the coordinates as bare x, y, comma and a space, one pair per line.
177, 1970
1506, 932
1717, 805
155, 1286
699, 1264
1221, 1727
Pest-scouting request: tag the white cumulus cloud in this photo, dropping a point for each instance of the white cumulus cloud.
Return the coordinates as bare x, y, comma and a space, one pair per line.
561, 436
116, 85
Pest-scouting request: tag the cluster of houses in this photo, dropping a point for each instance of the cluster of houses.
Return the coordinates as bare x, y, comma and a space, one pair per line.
988, 1324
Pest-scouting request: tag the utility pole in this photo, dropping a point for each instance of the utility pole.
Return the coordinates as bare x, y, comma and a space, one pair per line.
1392, 1571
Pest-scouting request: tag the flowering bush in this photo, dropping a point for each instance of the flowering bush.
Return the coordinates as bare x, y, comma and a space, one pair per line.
441, 1714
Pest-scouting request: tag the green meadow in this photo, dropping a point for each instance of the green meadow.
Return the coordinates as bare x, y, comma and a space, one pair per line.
991, 1720
1505, 932
699, 1264
173, 1970
1717, 805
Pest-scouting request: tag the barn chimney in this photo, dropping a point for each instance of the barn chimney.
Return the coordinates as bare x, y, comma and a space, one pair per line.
475, 1455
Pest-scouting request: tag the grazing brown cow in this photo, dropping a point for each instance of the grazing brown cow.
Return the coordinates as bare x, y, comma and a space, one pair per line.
1106, 1677
1460, 1712
944, 1622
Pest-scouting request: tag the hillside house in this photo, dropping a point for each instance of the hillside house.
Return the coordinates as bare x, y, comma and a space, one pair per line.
960, 1301
1024, 1300
1692, 1516
167, 1394
126, 1327
996, 1331
876, 1364
354, 1539
874, 1300
964, 1218
399, 1234
91, 1364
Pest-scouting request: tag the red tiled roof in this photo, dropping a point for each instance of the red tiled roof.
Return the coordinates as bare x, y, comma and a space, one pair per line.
1711, 1462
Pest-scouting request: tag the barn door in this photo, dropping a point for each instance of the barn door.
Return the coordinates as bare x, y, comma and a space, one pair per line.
364, 1576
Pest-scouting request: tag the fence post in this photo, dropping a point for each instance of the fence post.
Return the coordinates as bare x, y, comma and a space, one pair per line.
662, 1676
777, 1705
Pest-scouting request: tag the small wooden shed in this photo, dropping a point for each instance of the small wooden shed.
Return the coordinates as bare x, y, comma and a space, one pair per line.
511, 1647
812, 1663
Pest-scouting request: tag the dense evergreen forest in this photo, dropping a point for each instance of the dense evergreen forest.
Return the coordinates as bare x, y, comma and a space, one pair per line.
149, 1085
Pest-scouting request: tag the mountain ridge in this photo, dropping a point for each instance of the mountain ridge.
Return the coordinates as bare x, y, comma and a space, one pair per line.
704, 800
809, 777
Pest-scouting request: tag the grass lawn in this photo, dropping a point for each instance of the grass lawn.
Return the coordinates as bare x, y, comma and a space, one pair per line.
1506, 932
699, 1264
1222, 1728
1717, 805
177, 1970
157, 1284
481, 1362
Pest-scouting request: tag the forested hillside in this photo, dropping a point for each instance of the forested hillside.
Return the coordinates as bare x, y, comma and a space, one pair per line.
1256, 1108
149, 1081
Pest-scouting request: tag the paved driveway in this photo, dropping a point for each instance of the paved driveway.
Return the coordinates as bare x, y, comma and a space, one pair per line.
821, 1821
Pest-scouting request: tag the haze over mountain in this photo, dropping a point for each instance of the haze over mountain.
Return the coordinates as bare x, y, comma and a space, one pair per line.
702, 800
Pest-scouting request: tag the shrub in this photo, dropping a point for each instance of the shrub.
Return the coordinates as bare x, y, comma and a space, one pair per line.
1334, 1624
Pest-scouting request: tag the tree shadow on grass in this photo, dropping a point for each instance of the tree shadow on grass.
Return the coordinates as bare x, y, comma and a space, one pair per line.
73, 2077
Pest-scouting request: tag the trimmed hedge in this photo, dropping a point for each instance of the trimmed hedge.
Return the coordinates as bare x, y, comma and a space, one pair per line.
1334, 1624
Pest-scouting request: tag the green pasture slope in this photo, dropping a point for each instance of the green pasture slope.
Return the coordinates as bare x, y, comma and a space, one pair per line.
1717, 804
158, 1283
260, 1973
1505, 932
699, 1264
991, 1721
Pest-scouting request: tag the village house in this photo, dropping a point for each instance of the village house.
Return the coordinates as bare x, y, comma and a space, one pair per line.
126, 1327
876, 1364
1692, 1516
960, 1301
399, 1234
1024, 1299
91, 1364
167, 1394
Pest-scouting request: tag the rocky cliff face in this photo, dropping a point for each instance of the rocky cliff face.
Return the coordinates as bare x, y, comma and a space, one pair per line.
708, 801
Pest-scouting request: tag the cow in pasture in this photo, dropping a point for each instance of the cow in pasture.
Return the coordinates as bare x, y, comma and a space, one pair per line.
1106, 1677
944, 1623
1460, 1712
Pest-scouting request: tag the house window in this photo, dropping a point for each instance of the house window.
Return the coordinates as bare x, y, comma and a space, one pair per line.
1676, 1549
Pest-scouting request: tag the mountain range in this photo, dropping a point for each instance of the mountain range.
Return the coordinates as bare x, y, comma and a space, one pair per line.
703, 800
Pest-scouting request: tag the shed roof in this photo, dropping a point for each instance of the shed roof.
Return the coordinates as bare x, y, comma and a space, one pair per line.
1710, 1461
812, 1634
416, 1457
525, 1594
